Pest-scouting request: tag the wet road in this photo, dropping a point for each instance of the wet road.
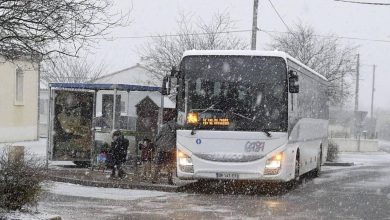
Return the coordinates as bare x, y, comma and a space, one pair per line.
358, 192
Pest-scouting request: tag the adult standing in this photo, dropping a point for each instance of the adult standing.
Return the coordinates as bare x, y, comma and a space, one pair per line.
118, 153
166, 151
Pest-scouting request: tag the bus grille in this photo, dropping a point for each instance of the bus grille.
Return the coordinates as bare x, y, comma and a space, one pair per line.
229, 157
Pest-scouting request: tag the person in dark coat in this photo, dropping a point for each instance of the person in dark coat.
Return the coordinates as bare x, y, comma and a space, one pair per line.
147, 153
118, 153
166, 151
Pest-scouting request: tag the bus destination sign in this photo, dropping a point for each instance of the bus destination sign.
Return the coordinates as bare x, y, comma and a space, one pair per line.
215, 122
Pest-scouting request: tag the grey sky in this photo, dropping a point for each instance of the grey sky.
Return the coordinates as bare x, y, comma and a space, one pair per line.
327, 16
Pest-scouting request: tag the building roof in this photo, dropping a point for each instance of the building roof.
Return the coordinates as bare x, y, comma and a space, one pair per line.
134, 75
101, 86
167, 102
281, 54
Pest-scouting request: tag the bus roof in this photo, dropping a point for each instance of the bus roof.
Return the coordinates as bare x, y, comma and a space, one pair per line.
281, 54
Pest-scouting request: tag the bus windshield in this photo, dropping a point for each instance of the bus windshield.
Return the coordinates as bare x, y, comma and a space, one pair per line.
241, 93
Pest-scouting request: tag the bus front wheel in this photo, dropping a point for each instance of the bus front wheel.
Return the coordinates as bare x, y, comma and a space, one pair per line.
297, 167
317, 171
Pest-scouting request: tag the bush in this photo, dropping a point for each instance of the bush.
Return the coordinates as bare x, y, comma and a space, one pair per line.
333, 151
21, 176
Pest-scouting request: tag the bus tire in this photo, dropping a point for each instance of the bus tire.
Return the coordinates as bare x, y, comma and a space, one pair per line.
297, 167
317, 170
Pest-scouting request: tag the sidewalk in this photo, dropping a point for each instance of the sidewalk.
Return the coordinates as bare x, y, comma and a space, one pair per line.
98, 178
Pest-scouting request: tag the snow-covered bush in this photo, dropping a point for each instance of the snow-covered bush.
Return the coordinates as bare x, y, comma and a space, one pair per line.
21, 176
333, 151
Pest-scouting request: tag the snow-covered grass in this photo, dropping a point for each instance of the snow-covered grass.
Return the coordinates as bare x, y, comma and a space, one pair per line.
69, 189
34, 147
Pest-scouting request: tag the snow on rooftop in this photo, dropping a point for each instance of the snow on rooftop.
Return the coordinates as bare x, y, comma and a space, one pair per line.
135, 75
281, 54
167, 102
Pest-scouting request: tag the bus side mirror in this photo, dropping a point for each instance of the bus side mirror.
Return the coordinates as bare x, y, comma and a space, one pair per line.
293, 86
166, 86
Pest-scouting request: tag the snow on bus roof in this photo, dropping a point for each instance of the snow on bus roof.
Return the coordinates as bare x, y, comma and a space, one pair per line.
281, 54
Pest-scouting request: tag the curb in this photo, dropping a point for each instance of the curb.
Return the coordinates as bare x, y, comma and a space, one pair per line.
141, 186
340, 164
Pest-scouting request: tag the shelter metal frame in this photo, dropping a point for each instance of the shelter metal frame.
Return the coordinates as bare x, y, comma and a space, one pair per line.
88, 87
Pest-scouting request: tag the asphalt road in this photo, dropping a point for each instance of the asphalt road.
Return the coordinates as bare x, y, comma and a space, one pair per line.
358, 192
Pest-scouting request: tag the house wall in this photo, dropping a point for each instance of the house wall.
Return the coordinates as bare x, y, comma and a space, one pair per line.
18, 121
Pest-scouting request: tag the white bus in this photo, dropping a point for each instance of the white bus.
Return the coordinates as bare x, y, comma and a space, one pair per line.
249, 115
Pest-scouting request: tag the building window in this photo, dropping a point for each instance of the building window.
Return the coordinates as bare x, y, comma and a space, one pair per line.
19, 86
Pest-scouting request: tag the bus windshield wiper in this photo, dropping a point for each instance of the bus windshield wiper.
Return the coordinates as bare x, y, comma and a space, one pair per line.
267, 132
242, 116
208, 108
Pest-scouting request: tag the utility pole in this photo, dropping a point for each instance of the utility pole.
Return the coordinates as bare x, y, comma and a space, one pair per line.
372, 93
357, 83
342, 90
254, 25
357, 118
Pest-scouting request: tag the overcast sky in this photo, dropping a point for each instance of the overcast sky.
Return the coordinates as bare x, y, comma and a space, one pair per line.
326, 16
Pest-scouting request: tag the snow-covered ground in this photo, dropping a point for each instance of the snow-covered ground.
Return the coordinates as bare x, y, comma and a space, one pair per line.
367, 158
68, 189
363, 162
370, 174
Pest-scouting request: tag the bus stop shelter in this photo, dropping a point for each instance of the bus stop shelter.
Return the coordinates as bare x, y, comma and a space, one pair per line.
73, 123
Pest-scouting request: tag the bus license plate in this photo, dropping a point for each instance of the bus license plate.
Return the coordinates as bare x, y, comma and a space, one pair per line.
227, 175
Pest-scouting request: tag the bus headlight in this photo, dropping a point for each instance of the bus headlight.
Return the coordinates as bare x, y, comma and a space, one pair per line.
273, 164
185, 162
192, 118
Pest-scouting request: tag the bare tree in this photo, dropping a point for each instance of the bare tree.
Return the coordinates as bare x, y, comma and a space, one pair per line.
70, 70
326, 55
39, 28
165, 51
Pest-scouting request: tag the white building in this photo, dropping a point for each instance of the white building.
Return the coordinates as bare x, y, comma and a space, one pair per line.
135, 75
19, 100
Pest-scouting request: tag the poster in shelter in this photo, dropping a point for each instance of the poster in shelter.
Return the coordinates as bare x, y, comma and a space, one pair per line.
72, 136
